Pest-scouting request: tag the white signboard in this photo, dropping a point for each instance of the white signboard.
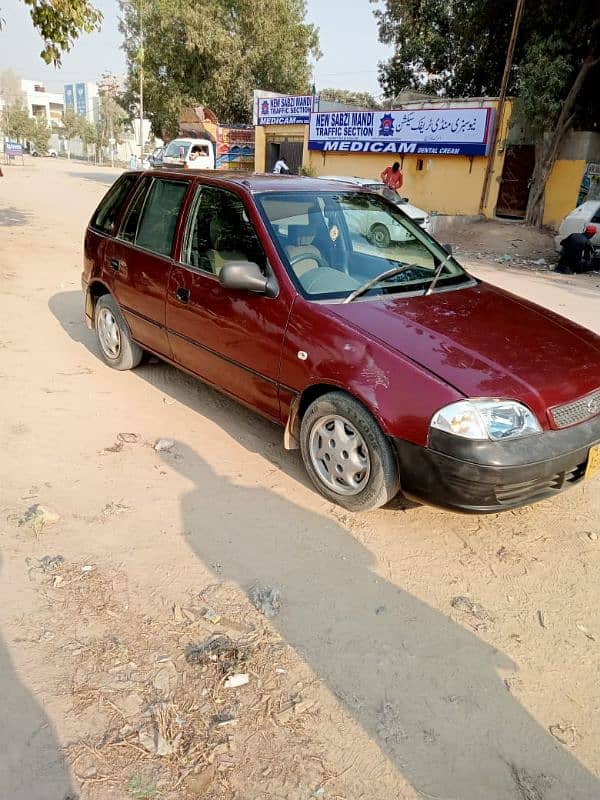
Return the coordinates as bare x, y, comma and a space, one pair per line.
427, 131
285, 110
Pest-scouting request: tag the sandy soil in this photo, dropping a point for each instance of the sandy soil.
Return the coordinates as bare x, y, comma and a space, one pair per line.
415, 654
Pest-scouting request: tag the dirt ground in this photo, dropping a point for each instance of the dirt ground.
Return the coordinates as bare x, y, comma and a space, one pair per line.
411, 653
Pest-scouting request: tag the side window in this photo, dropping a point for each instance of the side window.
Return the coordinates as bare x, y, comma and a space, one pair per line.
107, 212
596, 217
129, 226
156, 228
218, 231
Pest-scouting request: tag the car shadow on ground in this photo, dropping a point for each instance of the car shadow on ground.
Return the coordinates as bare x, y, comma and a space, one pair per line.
251, 430
31, 762
13, 217
430, 693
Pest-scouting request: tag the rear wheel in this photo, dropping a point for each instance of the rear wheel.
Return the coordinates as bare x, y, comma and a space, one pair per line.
117, 347
379, 235
346, 454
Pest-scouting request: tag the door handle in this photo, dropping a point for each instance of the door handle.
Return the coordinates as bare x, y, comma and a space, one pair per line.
182, 294
115, 264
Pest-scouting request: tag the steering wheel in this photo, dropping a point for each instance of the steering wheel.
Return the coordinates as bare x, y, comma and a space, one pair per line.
317, 259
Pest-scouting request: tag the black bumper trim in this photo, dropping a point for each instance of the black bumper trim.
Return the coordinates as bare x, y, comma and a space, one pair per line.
512, 476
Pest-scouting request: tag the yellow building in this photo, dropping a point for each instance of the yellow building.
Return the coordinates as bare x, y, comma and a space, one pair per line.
445, 184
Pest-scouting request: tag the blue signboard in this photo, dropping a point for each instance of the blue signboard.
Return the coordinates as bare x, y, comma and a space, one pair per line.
13, 149
80, 99
288, 110
69, 96
447, 131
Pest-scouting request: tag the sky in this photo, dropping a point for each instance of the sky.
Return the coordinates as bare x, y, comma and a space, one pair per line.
348, 36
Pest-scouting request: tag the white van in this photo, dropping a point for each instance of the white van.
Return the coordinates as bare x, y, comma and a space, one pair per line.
190, 154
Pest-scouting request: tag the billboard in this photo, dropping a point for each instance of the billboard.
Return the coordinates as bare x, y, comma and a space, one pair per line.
69, 97
80, 99
285, 110
426, 131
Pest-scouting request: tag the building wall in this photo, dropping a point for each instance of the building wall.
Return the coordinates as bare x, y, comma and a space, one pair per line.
445, 184
562, 190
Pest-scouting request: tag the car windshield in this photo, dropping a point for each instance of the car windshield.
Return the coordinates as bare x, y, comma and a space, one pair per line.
332, 243
178, 148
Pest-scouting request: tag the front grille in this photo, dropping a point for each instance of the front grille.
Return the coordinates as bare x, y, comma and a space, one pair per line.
529, 490
577, 411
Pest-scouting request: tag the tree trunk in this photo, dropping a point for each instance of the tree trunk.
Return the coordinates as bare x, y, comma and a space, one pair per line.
546, 150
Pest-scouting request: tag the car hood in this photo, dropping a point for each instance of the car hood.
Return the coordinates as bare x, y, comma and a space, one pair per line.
486, 342
412, 211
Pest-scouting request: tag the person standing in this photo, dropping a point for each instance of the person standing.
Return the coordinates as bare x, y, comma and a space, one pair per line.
577, 254
280, 166
393, 180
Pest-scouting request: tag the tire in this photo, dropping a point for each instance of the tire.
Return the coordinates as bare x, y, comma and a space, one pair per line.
379, 235
360, 478
116, 346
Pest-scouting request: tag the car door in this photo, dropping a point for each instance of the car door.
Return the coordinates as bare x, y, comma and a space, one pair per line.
231, 339
140, 257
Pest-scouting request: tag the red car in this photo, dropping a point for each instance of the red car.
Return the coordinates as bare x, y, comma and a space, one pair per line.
391, 369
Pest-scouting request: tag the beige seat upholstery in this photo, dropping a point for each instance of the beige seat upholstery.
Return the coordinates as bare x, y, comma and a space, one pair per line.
300, 250
223, 240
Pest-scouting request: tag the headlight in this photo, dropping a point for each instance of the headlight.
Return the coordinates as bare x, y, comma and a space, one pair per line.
486, 419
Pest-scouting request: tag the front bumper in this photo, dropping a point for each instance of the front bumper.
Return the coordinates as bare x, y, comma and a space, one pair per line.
487, 477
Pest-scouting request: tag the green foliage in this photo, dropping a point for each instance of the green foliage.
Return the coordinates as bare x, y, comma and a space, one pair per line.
543, 74
40, 135
59, 23
458, 47
214, 53
362, 99
16, 122
72, 124
140, 790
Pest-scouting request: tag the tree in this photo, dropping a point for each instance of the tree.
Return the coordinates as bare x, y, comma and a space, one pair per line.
39, 135
10, 87
59, 23
16, 122
458, 48
72, 127
214, 53
363, 99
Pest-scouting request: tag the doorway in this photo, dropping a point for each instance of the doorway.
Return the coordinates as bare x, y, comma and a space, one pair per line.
288, 149
516, 177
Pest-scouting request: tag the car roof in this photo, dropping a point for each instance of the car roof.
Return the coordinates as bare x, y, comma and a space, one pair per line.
253, 181
354, 179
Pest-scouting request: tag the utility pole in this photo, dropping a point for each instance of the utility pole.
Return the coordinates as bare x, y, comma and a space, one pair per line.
141, 60
501, 102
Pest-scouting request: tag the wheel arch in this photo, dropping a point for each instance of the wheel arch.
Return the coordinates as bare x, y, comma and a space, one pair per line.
95, 290
298, 407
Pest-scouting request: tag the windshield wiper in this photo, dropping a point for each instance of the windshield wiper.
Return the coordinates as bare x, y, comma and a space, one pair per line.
390, 273
436, 277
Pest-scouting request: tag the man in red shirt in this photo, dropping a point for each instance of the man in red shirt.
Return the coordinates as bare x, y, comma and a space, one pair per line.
392, 178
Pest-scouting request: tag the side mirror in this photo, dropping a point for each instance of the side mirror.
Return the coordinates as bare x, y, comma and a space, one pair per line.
448, 248
244, 276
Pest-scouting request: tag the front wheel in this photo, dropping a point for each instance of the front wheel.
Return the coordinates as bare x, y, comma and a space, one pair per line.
346, 454
379, 235
117, 347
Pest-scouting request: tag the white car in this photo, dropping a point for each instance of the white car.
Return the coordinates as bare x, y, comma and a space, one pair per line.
189, 154
585, 214
380, 233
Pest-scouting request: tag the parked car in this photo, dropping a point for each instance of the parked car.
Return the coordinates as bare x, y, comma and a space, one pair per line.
379, 231
575, 222
388, 369
51, 153
189, 154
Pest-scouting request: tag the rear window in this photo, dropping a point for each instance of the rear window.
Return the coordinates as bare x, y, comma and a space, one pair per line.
178, 148
107, 212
